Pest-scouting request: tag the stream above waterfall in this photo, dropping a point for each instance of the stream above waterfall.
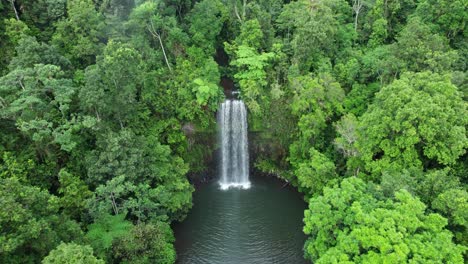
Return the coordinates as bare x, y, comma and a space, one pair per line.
262, 224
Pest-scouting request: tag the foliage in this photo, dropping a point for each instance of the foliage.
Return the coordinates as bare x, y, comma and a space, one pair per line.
420, 49
206, 22
350, 223
147, 243
31, 223
416, 120
314, 173
252, 74
74, 193
111, 85
78, 36
450, 16
453, 205
102, 105
15, 30
72, 253
319, 30
347, 129
205, 91
314, 103
105, 230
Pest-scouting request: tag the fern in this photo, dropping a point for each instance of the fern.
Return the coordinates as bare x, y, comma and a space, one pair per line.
105, 230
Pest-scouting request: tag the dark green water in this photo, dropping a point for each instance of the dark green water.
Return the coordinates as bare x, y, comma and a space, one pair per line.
260, 225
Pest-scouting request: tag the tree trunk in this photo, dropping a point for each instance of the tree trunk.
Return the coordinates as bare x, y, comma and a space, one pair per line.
356, 21
155, 34
240, 17
164, 52
357, 6
237, 12
14, 9
243, 9
97, 114
120, 122
114, 205
2, 102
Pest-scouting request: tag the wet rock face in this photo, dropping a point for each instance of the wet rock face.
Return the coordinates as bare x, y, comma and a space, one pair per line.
188, 129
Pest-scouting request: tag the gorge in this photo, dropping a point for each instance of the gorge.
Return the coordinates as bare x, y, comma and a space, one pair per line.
241, 220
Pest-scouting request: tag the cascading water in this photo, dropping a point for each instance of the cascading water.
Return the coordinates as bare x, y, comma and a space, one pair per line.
232, 119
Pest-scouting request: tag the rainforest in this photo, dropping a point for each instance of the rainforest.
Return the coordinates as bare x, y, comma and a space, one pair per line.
233, 131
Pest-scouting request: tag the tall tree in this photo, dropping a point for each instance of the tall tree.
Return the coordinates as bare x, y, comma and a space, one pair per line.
72, 253
417, 121
79, 36
147, 243
112, 85
351, 224
251, 63
31, 224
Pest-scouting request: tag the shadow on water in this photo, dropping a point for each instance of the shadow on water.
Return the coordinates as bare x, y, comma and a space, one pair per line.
262, 224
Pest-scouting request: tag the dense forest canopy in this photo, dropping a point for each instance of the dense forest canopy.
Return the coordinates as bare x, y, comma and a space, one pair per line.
363, 104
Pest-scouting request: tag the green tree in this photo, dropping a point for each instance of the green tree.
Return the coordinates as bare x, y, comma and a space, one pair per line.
251, 74
146, 243
441, 190
138, 176
347, 129
149, 18
359, 98
206, 21
72, 253
251, 64
314, 103
384, 19
37, 97
30, 52
39, 15
111, 197
38, 100
11, 167
111, 86
450, 16
417, 121
31, 224
15, 30
314, 173
420, 49
193, 89
27, 168
319, 30
350, 223
117, 154
74, 193
205, 92
104, 231
453, 204
79, 36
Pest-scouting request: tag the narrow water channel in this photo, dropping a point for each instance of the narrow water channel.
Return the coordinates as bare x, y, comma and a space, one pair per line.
262, 224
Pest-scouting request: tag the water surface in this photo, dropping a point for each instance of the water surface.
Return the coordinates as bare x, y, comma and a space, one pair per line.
262, 224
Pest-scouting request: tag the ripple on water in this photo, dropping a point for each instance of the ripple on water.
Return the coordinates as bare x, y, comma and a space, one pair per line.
262, 224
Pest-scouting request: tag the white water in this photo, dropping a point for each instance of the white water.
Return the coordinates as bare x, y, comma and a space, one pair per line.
232, 119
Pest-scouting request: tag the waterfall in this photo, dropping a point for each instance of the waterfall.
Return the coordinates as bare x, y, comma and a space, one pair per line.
232, 119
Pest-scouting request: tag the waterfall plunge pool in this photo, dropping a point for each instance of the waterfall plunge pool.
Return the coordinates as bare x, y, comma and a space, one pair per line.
262, 224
